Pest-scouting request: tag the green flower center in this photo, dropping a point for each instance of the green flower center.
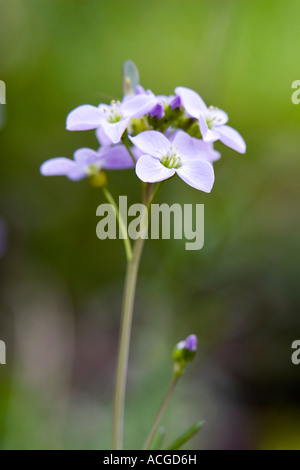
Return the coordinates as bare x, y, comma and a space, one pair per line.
92, 170
214, 118
114, 114
172, 160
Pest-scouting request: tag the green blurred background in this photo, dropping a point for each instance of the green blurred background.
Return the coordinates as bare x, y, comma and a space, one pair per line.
61, 287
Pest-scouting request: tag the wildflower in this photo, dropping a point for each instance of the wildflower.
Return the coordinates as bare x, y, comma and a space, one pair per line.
113, 118
88, 162
212, 121
184, 352
162, 158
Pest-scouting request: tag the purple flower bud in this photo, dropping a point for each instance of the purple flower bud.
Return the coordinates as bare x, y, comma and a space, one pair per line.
191, 343
176, 102
158, 111
184, 352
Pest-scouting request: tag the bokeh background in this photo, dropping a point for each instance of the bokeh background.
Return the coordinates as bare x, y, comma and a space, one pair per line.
61, 287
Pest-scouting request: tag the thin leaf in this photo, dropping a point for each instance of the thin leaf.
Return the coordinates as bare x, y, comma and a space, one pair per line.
131, 77
158, 439
178, 443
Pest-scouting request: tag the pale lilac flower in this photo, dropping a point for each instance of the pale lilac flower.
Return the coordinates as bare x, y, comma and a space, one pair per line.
87, 161
212, 121
113, 118
162, 158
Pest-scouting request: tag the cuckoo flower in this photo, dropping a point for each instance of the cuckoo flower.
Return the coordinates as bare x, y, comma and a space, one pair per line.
88, 162
162, 158
212, 121
113, 118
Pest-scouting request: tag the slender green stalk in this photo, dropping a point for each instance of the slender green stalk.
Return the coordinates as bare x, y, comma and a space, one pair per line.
155, 193
126, 322
160, 413
123, 228
126, 143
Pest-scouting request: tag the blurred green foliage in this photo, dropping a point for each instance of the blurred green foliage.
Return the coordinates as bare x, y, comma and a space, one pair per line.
61, 287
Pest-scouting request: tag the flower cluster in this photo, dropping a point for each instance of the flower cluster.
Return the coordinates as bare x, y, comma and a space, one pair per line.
157, 135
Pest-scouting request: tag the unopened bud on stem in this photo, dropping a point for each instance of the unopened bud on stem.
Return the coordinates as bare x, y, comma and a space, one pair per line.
184, 352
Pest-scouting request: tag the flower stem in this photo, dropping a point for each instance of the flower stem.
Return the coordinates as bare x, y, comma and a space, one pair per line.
155, 193
126, 322
123, 229
160, 413
126, 144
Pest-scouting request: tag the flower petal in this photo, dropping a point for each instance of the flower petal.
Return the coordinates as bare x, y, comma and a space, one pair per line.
206, 150
115, 158
185, 144
139, 105
57, 166
86, 156
231, 138
102, 137
193, 148
77, 173
150, 170
83, 118
152, 143
198, 174
114, 130
191, 101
